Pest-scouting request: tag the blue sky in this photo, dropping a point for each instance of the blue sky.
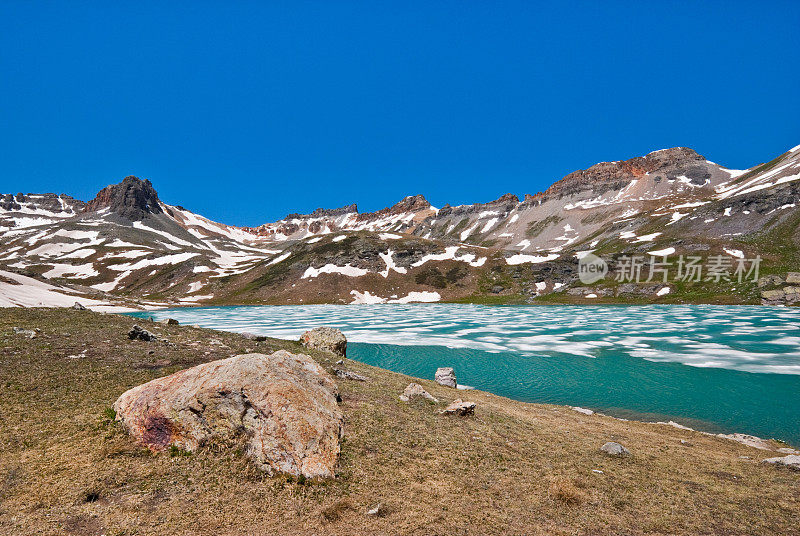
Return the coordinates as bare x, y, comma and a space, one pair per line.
244, 112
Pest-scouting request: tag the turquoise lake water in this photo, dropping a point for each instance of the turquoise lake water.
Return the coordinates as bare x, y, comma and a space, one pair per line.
714, 368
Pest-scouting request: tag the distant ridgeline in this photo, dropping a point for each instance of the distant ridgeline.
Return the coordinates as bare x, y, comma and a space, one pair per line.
666, 227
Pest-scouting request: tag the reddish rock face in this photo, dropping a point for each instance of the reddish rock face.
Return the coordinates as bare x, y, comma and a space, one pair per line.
133, 198
283, 406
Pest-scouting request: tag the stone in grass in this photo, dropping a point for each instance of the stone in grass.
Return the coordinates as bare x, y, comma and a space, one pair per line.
349, 375
460, 408
615, 449
78, 307
29, 333
254, 337
415, 390
446, 376
378, 511
328, 339
791, 461
168, 321
283, 406
138, 333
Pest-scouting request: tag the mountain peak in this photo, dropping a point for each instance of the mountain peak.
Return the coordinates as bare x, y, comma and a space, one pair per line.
410, 203
133, 199
625, 170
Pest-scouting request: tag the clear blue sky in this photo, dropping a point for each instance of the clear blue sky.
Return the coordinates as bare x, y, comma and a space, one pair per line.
244, 112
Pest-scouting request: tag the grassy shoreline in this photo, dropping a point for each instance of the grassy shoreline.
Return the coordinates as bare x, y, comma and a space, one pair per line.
515, 468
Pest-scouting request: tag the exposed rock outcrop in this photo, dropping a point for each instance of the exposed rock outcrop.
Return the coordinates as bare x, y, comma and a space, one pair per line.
792, 461
283, 406
749, 440
139, 333
328, 339
133, 199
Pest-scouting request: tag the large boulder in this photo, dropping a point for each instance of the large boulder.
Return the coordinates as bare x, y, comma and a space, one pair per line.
446, 376
328, 339
283, 406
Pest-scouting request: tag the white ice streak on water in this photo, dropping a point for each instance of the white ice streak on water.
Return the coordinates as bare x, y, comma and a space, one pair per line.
745, 338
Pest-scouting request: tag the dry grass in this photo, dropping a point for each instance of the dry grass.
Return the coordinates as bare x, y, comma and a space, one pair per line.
567, 491
513, 468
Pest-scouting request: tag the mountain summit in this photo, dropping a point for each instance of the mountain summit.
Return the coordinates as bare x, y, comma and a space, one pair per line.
132, 199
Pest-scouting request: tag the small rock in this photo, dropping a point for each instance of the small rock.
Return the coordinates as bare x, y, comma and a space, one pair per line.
137, 332
168, 322
675, 425
685, 443
598, 471
340, 362
460, 408
78, 307
497, 289
24, 332
583, 410
377, 511
615, 449
446, 376
414, 390
328, 339
254, 337
350, 375
792, 461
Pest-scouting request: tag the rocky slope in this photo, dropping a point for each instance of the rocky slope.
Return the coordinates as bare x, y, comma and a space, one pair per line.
128, 243
404, 468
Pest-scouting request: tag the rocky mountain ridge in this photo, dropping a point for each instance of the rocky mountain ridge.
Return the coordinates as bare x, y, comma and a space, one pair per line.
126, 242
